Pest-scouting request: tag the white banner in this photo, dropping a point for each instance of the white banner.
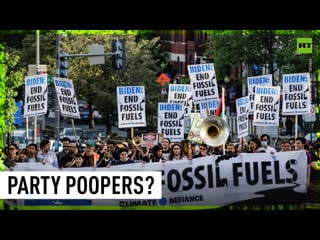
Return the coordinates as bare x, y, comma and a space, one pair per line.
249, 178
131, 106
66, 97
80, 185
36, 95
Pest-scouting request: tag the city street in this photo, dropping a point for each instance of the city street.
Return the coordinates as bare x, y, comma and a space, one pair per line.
49, 123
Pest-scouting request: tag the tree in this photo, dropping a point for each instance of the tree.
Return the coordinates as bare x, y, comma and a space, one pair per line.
14, 78
96, 84
273, 49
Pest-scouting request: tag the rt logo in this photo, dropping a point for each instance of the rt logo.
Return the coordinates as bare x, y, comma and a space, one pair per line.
304, 45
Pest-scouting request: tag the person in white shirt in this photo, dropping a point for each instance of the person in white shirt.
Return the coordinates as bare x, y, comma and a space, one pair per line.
265, 142
48, 156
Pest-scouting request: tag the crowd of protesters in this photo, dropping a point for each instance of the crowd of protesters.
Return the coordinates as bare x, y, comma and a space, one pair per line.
108, 153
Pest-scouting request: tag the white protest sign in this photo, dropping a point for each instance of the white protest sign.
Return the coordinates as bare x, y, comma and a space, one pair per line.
171, 121
296, 94
311, 117
261, 80
150, 140
266, 106
242, 107
66, 97
36, 95
181, 93
194, 133
131, 106
203, 82
208, 108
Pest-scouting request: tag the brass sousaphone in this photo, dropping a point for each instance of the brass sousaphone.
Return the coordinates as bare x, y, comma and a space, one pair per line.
137, 141
214, 131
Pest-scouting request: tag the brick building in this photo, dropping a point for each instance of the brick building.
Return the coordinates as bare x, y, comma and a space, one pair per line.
185, 47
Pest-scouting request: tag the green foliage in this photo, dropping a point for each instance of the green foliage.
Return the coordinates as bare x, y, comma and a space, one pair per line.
14, 78
47, 44
2, 89
97, 84
145, 61
184, 80
274, 49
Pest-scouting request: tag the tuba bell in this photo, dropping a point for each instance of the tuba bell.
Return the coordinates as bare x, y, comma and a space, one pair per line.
214, 131
137, 141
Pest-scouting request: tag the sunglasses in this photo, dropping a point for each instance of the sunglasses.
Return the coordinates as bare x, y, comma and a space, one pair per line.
11, 149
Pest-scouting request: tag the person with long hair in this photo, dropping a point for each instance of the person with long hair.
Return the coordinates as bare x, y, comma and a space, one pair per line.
23, 154
166, 147
176, 153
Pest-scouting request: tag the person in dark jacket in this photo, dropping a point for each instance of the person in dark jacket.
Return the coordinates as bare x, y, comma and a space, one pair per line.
123, 157
203, 151
157, 154
12, 157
